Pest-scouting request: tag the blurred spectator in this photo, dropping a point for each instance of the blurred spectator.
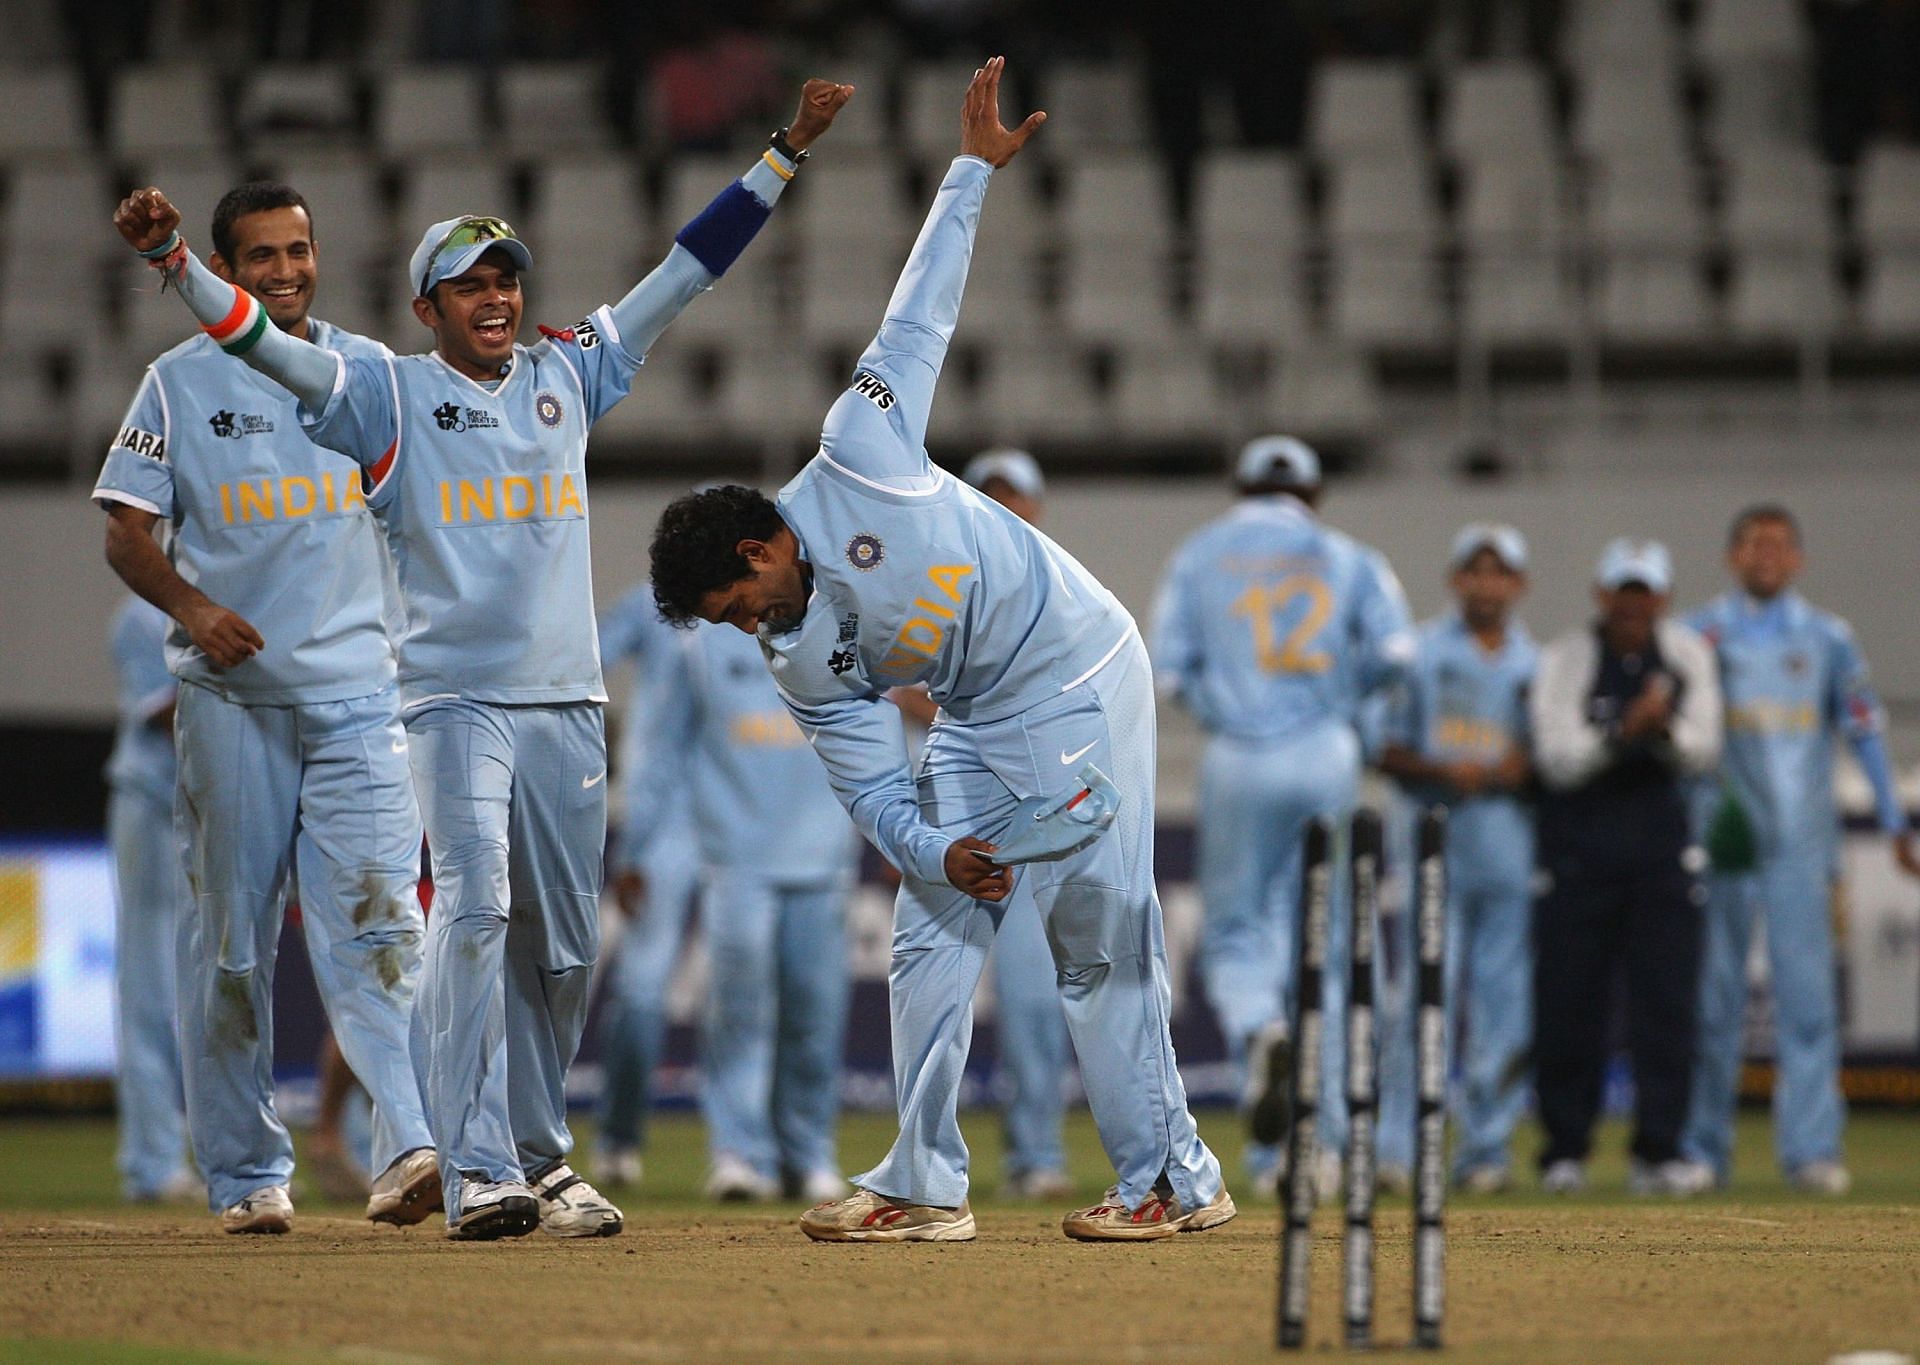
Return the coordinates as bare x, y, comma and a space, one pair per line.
1457, 736
703, 92
1794, 682
1623, 714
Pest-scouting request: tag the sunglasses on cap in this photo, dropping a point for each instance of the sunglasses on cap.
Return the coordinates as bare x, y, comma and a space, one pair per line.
465, 233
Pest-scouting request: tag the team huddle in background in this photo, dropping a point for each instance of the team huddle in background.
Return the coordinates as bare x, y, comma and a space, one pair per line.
339, 698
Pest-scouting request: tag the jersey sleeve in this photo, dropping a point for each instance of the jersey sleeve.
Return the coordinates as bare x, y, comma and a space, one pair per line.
1175, 644
661, 752
361, 417
863, 745
878, 427
137, 472
595, 351
1384, 624
1854, 709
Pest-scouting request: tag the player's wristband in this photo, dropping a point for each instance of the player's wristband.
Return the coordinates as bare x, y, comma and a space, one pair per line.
165, 249
778, 143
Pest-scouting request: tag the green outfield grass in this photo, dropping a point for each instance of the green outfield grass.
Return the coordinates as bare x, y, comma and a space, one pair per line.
1757, 1273
67, 1164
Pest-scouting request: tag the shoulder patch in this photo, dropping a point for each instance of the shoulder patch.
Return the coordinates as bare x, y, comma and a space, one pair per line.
870, 387
141, 442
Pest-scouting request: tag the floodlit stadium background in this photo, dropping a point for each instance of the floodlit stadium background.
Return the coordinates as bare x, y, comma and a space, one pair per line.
1602, 268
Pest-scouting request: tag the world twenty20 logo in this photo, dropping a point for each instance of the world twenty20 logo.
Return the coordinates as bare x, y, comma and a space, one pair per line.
448, 416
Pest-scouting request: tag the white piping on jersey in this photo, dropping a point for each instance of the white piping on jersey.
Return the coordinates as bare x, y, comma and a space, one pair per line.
115, 495
1105, 659
932, 480
419, 702
603, 319
166, 408
513, 372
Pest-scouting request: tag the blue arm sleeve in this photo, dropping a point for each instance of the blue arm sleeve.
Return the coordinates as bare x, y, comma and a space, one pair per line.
1857, 710
863, 744
878, 427
307, 371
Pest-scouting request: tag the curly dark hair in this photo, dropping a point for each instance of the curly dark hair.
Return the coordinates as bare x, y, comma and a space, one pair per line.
694, 546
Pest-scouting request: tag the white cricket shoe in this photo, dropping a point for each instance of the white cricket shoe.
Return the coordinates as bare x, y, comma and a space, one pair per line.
1565, 1176
1821, 1177
1484, 1180
265, 1210
570, 1207
1160, 1215
823, 1187
734, 1181
1674, 1179
868, 1217
408, 1191
492, 1209
619, 1167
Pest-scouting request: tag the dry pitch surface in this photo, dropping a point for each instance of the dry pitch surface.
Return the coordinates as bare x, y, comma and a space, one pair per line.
1754, 1275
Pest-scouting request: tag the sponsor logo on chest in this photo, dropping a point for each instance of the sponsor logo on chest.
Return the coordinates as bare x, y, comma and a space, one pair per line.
451, 416
229, 425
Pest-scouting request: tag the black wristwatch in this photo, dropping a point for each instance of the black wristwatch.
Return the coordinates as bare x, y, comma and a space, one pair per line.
778, 142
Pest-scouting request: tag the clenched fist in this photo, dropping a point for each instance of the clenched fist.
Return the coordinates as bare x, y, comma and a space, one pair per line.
146, 219
819, 102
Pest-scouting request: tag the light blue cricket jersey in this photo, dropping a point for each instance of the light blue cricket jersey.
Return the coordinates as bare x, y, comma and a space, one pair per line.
142, 758
916, 577
631, 630
761, 799
1269, 621
266, 523
483, 493
1792, 677
1460, 703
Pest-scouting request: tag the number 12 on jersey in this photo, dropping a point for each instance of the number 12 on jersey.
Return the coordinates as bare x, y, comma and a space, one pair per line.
1279, 646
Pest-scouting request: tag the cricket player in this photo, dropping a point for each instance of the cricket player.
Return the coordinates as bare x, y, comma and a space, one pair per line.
778, 862
876, 570
653, 858
149, 891
1456, 736
475, 460
292, 762
1035, 1051
1271, 628
1793, 681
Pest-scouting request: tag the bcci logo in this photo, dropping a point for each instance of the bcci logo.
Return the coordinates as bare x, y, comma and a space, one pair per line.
448, 416
547, 408
865, 552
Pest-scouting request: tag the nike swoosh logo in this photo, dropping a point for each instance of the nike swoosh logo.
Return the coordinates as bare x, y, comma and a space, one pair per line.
1069, 759
399, 746
588, 783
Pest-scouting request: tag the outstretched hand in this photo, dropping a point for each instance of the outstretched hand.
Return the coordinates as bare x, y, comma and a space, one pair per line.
146, 219
819, 102
981, 132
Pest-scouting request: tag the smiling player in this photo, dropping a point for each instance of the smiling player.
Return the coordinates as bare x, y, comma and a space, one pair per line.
475, 456
876, 570
291, 755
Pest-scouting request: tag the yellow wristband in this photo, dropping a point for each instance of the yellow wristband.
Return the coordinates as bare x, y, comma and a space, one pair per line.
774, 161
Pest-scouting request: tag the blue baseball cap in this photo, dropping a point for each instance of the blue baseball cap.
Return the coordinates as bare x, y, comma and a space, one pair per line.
1019, 469
450, 248
1645, 562
1507, 544
1282, 460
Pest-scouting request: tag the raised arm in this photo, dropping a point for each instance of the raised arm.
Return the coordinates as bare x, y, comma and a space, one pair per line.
226, 312
705, 247
879, 426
